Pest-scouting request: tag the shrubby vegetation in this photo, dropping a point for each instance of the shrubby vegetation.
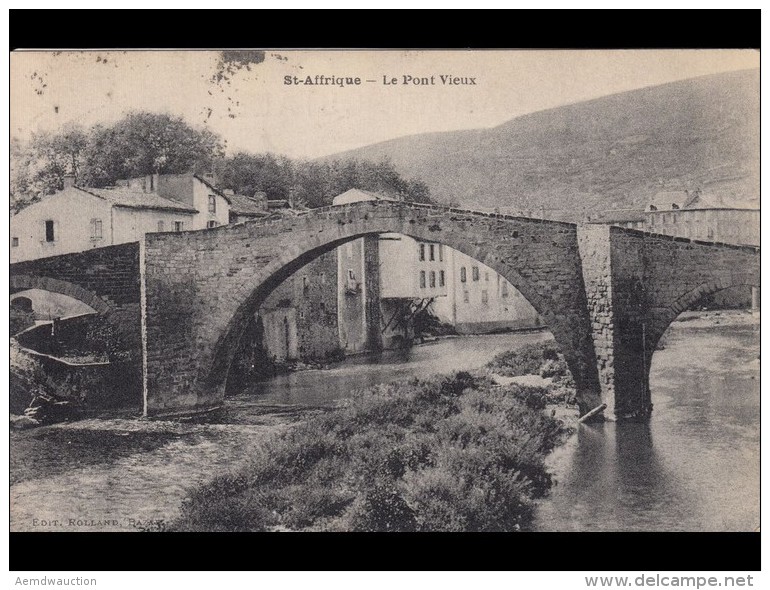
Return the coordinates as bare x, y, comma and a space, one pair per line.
525, 360
448, 453
544, 359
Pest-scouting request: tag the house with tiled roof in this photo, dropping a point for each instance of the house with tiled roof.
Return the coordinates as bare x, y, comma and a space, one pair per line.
79, 218
243, 208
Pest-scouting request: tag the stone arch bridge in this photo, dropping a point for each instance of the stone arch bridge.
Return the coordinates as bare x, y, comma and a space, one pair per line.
607, 293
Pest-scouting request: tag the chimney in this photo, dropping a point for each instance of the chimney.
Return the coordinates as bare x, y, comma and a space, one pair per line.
69, 181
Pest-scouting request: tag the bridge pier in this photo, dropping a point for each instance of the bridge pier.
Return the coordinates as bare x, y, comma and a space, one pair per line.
617, 307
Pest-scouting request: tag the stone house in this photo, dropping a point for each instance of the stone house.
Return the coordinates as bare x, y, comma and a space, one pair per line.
80, 218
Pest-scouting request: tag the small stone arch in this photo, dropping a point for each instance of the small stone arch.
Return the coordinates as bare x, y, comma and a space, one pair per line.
23, 282
663, 319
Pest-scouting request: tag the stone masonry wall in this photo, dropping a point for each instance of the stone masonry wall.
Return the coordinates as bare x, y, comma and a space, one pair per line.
312, 291
372, 292
108, 280
111, 273
595, 253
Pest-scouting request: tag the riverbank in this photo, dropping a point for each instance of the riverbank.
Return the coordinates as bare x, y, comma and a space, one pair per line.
453, 453
124, 474
128, 474
669, 475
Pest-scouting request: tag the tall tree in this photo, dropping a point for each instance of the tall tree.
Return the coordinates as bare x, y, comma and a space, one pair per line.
146, 143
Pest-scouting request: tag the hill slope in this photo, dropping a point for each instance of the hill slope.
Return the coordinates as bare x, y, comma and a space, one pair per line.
611, 152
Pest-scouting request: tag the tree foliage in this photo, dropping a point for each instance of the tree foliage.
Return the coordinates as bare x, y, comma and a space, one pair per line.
314, 184
144, 143
140, 143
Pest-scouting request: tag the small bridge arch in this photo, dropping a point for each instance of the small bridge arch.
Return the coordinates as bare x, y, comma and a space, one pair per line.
24, 282
656, 277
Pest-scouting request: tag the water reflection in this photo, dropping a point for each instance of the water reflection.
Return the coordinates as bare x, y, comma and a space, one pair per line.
694, 467
323, 388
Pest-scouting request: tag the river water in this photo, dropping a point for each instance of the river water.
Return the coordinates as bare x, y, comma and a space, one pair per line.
694, 467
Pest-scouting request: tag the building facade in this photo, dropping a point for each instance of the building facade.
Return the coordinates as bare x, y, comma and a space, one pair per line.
78, 218
480, 300
692, 214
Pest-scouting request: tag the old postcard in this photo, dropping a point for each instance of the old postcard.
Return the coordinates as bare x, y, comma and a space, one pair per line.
257, 290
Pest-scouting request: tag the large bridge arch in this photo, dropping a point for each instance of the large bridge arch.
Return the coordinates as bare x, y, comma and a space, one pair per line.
201, 286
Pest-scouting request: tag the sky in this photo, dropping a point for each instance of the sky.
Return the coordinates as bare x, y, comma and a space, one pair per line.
255, 110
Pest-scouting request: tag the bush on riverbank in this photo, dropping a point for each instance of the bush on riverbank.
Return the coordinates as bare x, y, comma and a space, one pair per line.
451, 453
539, 358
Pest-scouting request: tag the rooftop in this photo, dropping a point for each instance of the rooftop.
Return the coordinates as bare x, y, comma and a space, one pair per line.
134, 199
249, 206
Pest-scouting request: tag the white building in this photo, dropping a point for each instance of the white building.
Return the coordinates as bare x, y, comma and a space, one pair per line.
80, 218
408, 275
413, 274
480, 300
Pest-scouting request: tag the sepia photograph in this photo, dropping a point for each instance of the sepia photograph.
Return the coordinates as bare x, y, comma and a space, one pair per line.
384, 291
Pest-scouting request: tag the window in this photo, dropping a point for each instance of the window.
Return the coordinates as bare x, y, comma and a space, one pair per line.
432, 252
466, 296
674, 206
96, 229
653, 208
160, 226
441, 252
49, 237
212, 203
305, 284
463, 276
475, 270
179, 226
323, 278
422, 279
486, 276
484, 297
440, 277
212, 224
14, 242
504, 289
432, 279
351, 276
422, 251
